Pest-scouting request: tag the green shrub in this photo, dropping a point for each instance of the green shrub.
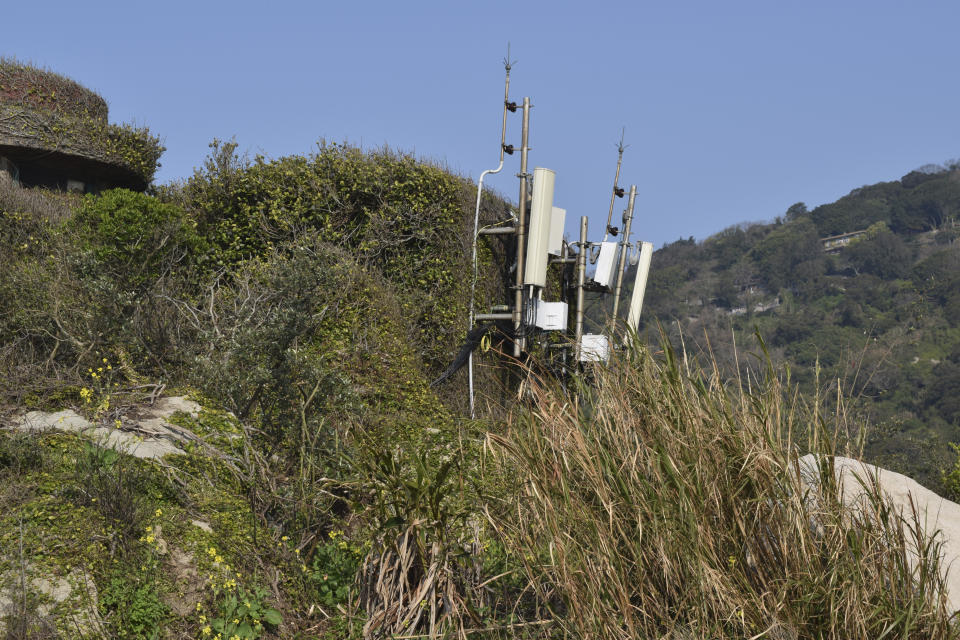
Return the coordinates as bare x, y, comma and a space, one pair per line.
408, 219
134, 239
115, 485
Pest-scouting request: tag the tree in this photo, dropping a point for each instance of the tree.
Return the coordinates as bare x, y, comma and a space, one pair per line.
924, 216
885, 256
783, 249
796, 211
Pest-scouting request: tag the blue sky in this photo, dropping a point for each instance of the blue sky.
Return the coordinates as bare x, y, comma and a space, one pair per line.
733, 111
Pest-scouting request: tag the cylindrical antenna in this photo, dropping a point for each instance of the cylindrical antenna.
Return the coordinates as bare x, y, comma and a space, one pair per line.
617, 191
518, 338
507, 105
624, 246
581, 277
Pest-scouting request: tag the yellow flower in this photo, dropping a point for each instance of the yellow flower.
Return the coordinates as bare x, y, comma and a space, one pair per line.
284, 538
206, 630
158, 513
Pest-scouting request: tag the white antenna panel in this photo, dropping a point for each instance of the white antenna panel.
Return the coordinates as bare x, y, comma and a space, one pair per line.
538, 237
606, 263
640, 285
558, 220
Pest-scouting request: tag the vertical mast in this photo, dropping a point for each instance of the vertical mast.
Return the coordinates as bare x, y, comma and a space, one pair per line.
624, 247
518, 318
617, 191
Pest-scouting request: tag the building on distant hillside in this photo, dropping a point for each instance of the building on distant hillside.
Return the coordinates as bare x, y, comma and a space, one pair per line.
833, 244
55, 134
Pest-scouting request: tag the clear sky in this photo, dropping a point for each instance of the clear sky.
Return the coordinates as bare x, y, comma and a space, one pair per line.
733, 110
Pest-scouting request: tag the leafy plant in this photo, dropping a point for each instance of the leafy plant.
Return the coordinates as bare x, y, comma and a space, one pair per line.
416, 575
334, 569
244, 614
134, 607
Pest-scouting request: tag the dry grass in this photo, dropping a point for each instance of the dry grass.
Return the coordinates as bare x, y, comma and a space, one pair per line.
661, 503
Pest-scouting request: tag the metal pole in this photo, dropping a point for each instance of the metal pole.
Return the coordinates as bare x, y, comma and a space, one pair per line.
581, 277
616, 179
476, 220
624, 247
521, 234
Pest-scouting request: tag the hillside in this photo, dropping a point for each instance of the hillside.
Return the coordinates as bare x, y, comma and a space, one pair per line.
303, 304
217, 420
877, 312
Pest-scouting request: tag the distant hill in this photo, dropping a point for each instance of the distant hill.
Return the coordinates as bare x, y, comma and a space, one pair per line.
864, 291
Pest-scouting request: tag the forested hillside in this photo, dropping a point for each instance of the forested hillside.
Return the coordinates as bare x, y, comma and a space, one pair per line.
863, 293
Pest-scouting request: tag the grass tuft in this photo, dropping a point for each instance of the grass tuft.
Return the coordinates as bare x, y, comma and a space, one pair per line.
659, 502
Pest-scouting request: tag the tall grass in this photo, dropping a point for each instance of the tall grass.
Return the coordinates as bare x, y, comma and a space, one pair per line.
660, 502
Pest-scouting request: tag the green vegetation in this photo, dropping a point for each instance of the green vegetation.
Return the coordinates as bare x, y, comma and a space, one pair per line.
316, 323
876, 317
325, 490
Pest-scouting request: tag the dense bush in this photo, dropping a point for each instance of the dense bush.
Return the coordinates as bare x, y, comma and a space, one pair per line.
134, 240
308, 322
410, 220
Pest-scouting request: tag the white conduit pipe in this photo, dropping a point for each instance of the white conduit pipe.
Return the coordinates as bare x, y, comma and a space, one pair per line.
507, 65
473, 282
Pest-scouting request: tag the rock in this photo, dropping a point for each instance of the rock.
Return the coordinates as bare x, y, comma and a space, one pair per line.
70, 600
169, 405
188, 585
936, 514
202, 525
66, 420
148, 435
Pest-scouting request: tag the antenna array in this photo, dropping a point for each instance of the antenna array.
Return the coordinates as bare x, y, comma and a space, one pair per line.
538, 230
